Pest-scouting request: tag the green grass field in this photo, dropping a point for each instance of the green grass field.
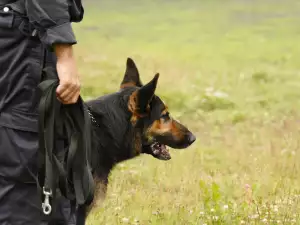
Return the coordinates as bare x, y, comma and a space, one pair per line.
230, 71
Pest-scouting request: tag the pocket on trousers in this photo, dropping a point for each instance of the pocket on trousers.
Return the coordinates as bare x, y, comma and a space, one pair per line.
19, 120
18, 154
6, 19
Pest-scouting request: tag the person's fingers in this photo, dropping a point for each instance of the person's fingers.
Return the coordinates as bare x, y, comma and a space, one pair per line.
64, 90
76, 93
70, 94
59, 99
72, 98
61, 88
75, 98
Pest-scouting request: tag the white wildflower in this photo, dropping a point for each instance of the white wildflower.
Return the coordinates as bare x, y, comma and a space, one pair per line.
220, 94
212, 210
201, 213
154, 213
243, 222
125, 220
255, 216
265, 220
215, 217
225, 206
209, 89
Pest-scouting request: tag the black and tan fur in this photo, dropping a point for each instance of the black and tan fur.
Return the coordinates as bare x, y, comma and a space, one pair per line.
130, 122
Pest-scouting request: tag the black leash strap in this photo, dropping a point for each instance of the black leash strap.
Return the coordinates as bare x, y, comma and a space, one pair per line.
71, 174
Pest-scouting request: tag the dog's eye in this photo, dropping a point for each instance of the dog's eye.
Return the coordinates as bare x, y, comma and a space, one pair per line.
165, 116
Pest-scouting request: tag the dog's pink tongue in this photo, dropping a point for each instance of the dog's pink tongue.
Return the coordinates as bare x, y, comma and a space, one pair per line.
160, 151
164, 153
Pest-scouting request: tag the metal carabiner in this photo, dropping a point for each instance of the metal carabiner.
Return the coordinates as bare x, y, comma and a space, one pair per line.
46, 205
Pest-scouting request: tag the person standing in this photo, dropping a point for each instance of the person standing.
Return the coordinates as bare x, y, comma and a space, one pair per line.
34, 34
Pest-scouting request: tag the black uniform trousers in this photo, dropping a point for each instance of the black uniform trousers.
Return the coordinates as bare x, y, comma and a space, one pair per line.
22, 58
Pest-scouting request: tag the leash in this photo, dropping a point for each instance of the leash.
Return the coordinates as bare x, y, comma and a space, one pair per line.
71, 172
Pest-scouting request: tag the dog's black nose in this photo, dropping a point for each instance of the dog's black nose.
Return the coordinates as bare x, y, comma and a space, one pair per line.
192, 138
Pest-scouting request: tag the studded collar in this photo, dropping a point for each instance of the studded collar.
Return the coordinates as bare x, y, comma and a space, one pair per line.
94, 121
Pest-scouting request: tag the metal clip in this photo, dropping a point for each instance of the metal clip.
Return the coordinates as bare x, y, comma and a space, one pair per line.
46, 205
34, 33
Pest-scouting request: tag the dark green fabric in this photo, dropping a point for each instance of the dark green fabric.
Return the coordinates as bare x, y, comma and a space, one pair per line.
72, 172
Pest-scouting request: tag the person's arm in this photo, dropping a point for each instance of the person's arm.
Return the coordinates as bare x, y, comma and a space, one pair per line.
52, 21
68, 90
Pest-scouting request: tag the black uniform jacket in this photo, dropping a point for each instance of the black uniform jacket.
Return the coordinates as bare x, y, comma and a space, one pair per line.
51, 18
23, 57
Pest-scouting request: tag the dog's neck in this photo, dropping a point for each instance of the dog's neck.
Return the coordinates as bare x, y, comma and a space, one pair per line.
114, 138
93, 120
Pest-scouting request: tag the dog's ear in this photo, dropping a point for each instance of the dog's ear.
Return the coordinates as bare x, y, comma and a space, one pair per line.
132, 76
146, 92
140, 99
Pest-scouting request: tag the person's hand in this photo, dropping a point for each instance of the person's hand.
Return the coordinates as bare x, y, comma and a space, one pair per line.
68, 89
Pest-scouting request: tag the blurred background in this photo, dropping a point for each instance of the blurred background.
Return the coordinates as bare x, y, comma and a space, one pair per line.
230, 72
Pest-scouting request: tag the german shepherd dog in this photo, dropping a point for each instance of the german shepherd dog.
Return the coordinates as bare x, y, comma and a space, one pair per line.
128, 123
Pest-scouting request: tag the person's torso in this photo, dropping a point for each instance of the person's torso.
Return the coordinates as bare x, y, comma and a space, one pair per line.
22, 59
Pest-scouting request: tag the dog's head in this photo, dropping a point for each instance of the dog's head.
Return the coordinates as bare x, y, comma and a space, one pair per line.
159, 129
